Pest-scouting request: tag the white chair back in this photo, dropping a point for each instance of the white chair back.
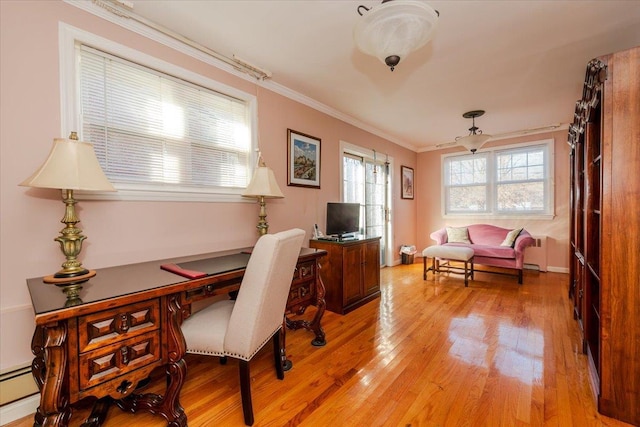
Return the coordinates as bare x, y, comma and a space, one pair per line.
259, 308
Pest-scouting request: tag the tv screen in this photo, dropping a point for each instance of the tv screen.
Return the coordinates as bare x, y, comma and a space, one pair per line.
343, 218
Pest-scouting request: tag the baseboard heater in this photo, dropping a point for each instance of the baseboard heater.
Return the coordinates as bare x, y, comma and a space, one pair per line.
536, 255
16, 384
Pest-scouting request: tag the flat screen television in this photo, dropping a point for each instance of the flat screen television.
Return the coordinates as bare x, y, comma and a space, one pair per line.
342, 218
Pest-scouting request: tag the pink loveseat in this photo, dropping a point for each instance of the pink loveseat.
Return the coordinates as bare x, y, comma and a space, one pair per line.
486, 242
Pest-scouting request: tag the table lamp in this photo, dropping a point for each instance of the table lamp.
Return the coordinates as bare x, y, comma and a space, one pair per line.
263, 185
71, 165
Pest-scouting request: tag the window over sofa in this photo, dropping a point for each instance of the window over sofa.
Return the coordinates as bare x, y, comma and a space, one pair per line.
515, 180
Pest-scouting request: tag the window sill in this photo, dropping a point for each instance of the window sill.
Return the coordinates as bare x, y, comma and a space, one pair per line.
544, 217
163, 196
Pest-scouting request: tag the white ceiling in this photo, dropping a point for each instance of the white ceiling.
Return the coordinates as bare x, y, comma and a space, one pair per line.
521, 61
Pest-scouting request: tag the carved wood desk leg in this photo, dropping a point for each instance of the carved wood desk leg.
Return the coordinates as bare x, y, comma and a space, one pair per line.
321, 305
48, 369
98, 412
176, 370
286, 363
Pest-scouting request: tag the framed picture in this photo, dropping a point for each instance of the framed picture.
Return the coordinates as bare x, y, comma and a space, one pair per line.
303, 160
406, 178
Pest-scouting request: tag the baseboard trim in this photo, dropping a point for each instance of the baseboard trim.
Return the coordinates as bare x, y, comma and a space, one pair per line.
19, 409
552, 269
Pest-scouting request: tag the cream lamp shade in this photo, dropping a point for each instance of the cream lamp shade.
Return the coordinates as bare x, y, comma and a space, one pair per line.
263, 184
71, 165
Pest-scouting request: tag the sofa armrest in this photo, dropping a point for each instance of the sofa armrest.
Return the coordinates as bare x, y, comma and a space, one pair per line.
439, 236
523, 241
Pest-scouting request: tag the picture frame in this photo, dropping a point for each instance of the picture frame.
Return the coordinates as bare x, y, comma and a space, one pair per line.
406, 182
303, 160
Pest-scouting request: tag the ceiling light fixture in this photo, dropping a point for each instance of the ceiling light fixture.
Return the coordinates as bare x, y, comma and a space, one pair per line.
394, 29
476, 138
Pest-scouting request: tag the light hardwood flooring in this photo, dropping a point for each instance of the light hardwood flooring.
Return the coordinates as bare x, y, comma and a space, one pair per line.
427, 353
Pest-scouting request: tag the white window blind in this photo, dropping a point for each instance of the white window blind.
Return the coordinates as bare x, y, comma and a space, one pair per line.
155, 132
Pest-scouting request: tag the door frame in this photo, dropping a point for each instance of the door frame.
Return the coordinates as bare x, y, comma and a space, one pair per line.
347, 147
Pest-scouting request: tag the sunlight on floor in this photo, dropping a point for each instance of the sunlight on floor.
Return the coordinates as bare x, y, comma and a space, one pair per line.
517, 353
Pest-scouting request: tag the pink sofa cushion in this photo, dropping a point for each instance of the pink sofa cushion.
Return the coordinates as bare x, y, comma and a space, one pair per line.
488, 235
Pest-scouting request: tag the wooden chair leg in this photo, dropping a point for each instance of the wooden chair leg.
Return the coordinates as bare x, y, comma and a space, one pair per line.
466, 274
278, 351
245, 392
424, 268
520, 277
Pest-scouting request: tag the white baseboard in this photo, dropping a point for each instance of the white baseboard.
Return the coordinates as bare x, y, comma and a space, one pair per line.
19, 409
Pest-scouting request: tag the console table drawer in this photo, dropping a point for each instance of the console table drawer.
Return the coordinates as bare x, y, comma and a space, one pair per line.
110, 326
117, 359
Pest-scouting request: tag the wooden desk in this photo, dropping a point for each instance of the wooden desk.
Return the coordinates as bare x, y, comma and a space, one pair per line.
125, 324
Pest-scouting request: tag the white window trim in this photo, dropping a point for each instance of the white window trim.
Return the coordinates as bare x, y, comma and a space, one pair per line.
68, 36
550, 143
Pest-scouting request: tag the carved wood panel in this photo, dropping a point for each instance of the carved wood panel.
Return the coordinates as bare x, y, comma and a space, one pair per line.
109, 326
119, 358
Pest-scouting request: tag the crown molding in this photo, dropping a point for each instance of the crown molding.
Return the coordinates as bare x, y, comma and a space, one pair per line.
112, 12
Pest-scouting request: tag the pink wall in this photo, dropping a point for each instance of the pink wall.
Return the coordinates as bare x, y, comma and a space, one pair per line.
557, 229
127, 231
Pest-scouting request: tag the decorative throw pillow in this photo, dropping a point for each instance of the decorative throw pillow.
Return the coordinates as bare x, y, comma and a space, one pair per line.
510, 240
458, 235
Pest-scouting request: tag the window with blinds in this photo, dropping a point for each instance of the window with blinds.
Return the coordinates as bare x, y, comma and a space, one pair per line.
155, 132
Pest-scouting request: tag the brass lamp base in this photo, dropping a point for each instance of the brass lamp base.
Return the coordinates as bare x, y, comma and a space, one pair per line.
64, 281
71, 286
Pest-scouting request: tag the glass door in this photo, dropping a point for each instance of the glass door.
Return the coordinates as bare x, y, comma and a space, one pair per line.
366, 181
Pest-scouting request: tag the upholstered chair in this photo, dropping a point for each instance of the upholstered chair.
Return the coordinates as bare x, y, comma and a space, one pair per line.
240, 328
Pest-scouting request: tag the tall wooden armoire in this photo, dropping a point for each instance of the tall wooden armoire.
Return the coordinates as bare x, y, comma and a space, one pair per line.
605, 230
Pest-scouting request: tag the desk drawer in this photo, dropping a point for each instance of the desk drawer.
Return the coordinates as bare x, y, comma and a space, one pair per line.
301, 293
304, 271
118, 359
110, 326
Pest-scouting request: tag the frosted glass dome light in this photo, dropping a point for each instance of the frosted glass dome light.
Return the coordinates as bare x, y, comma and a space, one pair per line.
395, 28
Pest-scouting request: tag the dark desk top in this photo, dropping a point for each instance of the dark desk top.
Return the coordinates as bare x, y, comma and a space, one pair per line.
111, 283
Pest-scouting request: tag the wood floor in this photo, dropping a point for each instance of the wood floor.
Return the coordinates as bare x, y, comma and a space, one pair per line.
427, 353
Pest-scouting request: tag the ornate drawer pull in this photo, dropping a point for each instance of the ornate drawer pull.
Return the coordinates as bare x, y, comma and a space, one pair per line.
124, 351
124, 322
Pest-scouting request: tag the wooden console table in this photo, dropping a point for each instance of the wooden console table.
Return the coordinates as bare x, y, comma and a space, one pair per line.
350, 272
126, 323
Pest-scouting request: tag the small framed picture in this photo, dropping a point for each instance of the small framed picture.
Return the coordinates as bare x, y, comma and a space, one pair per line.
303, 160
406, 178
